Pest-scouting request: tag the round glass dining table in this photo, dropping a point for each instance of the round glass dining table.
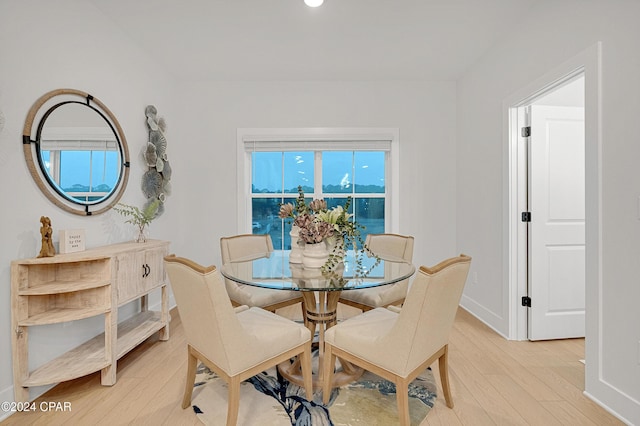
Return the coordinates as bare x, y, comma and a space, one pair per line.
320, 291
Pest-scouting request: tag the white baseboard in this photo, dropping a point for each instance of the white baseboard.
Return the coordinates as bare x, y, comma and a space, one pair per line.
611, 411
489, 318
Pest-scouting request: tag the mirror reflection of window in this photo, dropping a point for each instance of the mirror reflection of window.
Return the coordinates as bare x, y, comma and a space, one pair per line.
86, 170
80, 153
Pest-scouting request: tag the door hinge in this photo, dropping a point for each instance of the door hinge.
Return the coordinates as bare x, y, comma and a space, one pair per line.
526, 301
525, 131
526, 216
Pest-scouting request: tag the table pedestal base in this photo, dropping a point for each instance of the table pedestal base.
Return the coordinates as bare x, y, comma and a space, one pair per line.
322, 315
293, 373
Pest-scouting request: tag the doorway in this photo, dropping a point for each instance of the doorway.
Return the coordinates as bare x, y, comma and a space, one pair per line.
588, 63
552, 146
581, 70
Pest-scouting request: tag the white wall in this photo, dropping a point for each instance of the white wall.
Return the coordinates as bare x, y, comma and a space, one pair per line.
552, 33
211, 112
46, 46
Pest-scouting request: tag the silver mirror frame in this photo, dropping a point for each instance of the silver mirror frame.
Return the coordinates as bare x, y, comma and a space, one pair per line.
30, 153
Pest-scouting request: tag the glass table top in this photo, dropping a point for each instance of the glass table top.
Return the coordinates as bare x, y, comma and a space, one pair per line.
274, 271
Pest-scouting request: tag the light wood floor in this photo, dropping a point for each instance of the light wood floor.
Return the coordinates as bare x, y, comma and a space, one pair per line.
494, 382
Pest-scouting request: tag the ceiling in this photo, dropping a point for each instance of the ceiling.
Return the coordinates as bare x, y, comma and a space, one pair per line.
341, 40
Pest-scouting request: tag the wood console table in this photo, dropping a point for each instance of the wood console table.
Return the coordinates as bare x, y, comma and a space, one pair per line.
74, 286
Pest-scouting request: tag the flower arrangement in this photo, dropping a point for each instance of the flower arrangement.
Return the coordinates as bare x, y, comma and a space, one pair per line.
317, 223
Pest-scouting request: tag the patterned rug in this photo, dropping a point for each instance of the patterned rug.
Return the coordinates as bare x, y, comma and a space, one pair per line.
268, 399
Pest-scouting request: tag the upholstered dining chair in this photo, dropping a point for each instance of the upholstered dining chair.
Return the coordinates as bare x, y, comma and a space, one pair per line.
252, 246
392, 246
234, 343
397, 344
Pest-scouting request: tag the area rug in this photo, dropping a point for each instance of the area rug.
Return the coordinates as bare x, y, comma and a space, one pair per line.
268, 399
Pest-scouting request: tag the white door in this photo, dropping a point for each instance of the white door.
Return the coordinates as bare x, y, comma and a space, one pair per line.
557, 228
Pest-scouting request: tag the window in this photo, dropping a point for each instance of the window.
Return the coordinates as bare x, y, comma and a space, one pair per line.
332, 167
84, 166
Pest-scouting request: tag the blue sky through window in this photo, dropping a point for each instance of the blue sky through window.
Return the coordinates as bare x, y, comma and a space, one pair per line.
277, 172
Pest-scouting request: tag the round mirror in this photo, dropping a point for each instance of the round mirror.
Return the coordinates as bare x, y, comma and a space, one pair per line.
77, 153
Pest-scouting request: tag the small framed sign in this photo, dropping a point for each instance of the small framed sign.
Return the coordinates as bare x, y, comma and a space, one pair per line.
71, 240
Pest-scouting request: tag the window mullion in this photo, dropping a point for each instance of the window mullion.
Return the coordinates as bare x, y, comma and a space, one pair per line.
90, 171
282, 176
317, 175
387, 199
353, 173
54, 166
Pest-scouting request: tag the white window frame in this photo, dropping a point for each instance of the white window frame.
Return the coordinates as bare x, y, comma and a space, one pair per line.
325, 135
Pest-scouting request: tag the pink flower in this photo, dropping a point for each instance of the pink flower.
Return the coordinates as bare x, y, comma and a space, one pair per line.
318, 205
312, 230
286, 210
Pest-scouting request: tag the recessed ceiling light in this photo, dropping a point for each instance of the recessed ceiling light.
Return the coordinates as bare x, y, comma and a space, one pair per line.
313, 3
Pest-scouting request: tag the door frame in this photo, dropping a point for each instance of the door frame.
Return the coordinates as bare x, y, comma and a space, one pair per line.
589, 63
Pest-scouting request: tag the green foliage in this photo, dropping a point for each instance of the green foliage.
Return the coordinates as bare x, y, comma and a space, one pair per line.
135, 216
350, 237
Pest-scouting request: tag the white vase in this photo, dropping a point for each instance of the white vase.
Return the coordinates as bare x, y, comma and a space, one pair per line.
315, 255
296, 245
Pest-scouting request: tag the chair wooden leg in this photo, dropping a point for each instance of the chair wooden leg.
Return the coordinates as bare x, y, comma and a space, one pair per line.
329, 363
304, 315
402, 397
192, 364
306, 371
443, 365
234, 401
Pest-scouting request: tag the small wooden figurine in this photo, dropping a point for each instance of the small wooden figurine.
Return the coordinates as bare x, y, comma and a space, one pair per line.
46, 231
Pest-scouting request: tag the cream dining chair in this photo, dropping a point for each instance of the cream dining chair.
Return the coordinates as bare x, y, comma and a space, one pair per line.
252, 246
392, 246
237, 343
398, 345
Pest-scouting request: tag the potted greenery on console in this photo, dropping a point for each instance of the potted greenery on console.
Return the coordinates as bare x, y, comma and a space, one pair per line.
140, 218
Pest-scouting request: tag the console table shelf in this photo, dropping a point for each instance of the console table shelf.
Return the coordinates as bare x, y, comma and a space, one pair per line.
136, 330
74, 286
58, 315
84, 359
58, 288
